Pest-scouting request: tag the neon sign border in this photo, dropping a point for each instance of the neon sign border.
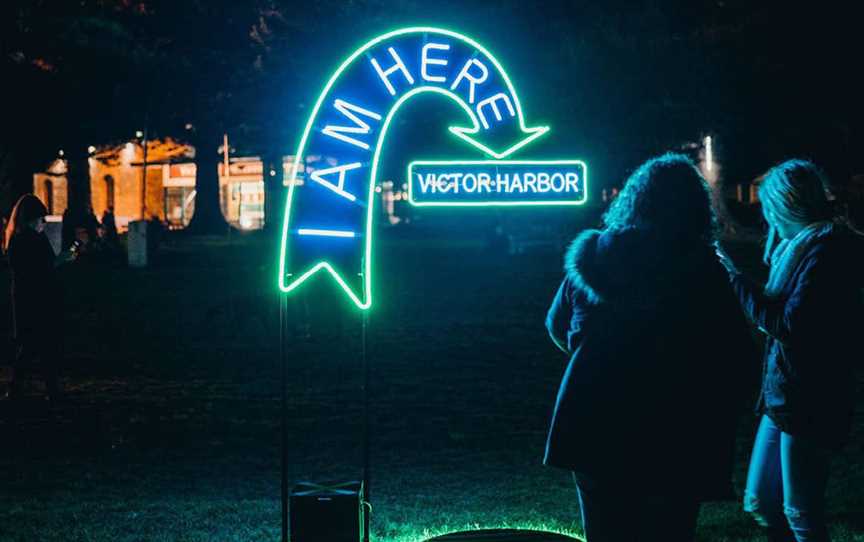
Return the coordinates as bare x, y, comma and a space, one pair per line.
457, 131
493, 203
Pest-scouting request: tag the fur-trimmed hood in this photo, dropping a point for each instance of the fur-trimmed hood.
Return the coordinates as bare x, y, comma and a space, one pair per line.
603, 263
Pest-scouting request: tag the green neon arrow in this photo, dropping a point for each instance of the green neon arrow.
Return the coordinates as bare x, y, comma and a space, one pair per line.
467, 135
470, 134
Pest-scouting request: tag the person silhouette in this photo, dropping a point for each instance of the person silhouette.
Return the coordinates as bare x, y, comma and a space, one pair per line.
646, 411
36, 294
109, 225
810, 311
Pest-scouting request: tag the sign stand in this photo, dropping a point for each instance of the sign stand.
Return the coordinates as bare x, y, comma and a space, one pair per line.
366, 370
283, 339
365, 495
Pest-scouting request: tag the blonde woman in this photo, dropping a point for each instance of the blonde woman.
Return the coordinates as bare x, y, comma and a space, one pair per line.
811, 312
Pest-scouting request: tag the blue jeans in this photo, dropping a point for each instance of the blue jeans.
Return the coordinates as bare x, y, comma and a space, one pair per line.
786, 485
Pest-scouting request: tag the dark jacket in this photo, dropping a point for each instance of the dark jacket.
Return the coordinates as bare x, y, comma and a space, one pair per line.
814, 338
36, 292
659, 349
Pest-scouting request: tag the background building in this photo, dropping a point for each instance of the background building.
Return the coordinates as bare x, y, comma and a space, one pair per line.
117, 180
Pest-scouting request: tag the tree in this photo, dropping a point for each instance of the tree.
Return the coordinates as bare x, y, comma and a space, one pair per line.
66, 60
204, 51
127, 65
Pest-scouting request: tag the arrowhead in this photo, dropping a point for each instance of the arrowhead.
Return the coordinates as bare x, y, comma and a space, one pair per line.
499, 150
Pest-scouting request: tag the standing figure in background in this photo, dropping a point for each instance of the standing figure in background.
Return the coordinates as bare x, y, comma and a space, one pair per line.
811, 312
109, 226
67, 231
155, 232
646, 411
91, 225
37, 305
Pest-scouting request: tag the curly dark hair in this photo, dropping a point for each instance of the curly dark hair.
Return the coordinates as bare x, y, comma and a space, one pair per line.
668, 195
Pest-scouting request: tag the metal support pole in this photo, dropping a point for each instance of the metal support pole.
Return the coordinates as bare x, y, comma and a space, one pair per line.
365, 366
366, 428
283, 357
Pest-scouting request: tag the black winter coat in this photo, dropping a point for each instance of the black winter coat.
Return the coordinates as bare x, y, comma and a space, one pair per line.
660, 348
814, 338
36, 294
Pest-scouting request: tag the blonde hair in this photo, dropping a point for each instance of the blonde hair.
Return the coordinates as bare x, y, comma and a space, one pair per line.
794, 192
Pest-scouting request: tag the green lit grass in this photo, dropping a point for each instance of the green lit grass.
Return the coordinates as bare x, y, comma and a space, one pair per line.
172, 428
446, 529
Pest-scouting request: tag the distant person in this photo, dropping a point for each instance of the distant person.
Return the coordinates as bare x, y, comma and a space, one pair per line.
67, 230
109, 226
811, 312
110, 237
91, 224
37, 307
155, 232
646, 411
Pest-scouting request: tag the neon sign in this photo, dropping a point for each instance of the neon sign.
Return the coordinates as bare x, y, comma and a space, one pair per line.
497, 183
328, 217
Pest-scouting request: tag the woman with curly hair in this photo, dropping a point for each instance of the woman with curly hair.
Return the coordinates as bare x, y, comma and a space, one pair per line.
811, 314
646, 411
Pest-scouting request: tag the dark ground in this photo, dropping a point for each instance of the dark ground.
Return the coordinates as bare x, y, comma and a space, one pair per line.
171, 429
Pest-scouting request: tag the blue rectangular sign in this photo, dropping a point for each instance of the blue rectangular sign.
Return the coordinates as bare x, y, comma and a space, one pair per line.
497, 182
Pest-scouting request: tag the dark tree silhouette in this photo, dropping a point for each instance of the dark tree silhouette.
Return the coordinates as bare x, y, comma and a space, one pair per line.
617, 84
66, 64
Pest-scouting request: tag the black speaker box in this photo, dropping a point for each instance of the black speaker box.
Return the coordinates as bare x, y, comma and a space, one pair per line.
326, 512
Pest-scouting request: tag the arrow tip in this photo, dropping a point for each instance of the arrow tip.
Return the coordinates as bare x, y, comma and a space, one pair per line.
529, 135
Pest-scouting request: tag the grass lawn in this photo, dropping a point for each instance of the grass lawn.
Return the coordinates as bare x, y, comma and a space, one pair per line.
171, 431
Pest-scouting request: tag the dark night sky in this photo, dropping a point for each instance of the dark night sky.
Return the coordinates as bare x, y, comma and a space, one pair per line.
618, 81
